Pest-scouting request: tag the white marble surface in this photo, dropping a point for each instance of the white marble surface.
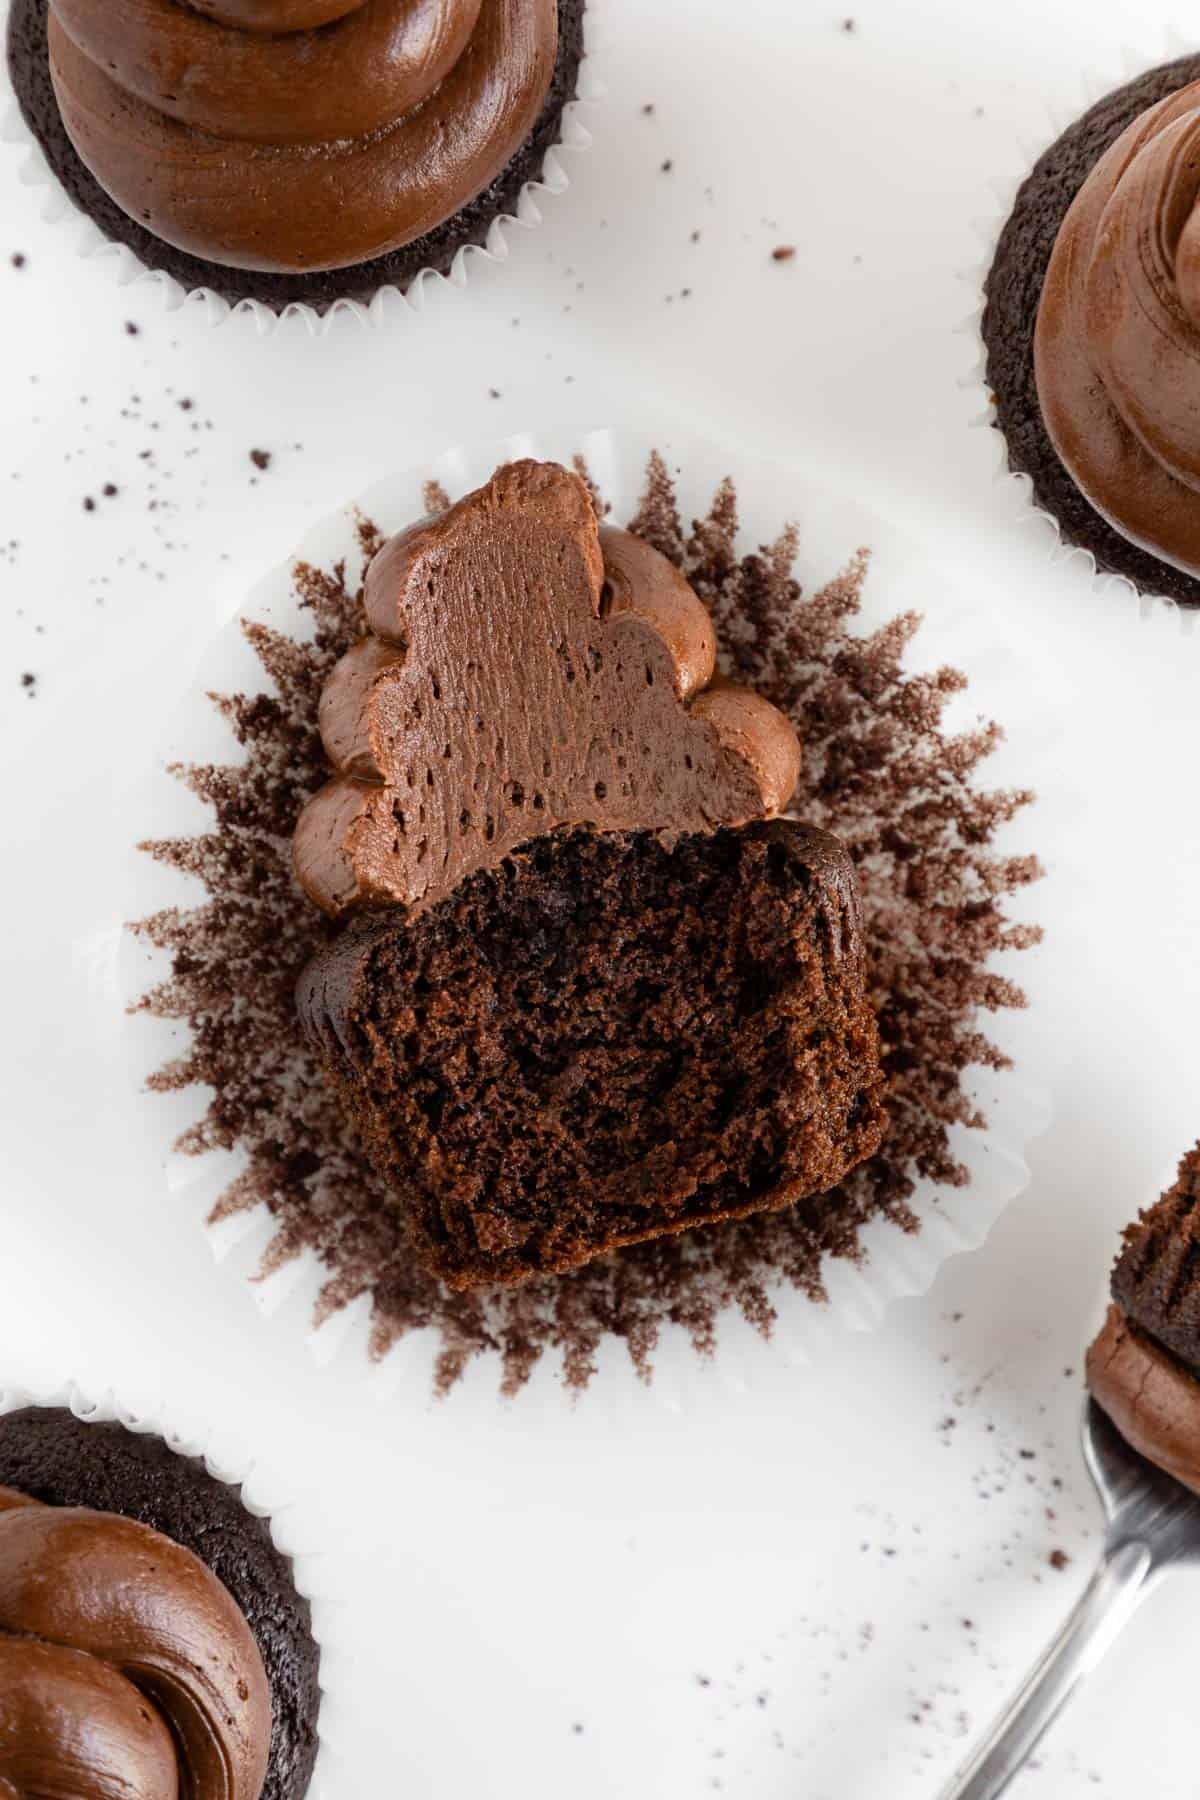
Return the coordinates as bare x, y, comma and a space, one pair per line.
821, 1584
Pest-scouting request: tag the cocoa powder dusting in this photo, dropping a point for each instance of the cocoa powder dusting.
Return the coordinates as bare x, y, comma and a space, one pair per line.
878, 771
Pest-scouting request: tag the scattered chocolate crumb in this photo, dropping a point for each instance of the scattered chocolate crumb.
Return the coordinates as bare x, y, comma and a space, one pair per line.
18, 259
89, 505
668, 165
577, 1729
1058, 1559
878, 770
29, 683
493, 393
132, 330
110, 490
783, 253
695, 237
849, 25
260, 458
648, 108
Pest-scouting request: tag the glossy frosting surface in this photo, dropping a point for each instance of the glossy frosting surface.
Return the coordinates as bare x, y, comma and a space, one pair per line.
1117, 343
1152, 1399
294, 135
126, 1669
526, 670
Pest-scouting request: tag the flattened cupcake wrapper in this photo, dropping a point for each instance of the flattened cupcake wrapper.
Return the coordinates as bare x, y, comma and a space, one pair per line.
235, 1468
1158, 610
905, 576
387, 302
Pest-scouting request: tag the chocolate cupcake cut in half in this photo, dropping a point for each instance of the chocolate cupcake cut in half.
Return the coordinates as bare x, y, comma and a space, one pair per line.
1092, 332
295, 150
152, 1641
590, 988
1144, 1368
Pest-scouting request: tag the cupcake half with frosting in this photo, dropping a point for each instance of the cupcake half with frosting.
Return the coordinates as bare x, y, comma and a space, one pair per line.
585, 983
295, 151
153, 1642
1092, 332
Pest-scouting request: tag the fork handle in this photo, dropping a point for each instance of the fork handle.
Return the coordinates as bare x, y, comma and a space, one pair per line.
1107, 1603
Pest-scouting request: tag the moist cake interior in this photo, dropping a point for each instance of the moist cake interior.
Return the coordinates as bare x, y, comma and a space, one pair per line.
606, 1039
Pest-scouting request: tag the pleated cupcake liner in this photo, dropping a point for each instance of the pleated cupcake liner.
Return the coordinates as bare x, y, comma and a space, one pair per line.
905, 576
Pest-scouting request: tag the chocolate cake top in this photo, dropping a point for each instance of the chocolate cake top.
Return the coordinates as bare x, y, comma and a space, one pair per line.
125, 1665
1117, 344
1156, 1280
526, 670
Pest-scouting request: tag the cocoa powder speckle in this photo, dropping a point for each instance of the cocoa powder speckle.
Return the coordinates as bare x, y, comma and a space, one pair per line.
878, 770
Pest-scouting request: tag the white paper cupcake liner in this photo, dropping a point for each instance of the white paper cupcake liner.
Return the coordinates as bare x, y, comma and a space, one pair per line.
1156, 610
388, 301
904, 576
231, 1465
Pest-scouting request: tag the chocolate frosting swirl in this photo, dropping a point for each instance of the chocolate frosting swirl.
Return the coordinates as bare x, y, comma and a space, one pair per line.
125, 1666
1117, 344
527, 670
1152, 1399
293, 135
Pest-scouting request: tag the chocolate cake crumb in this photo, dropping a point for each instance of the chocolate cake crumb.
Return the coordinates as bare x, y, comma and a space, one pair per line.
783, 253
879, 771
132, 330
18, 259
29, 683
89, 505
260, 458
667, 166
1058, 1559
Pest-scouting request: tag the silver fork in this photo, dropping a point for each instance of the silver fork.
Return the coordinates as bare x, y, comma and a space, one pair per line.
1153, 1525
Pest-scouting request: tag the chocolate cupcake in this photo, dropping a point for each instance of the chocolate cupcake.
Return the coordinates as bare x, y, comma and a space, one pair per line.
295, 151
152, 1639
1092, 332
447, 900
